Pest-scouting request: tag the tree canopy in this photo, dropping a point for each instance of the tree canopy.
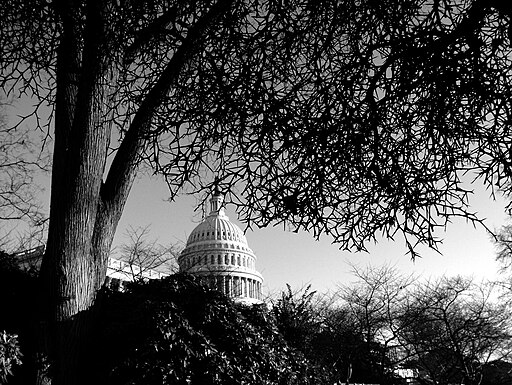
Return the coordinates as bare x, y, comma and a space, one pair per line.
351, 118
347, 118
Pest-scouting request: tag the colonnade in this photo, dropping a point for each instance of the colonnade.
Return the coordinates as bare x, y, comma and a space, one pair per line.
235, 286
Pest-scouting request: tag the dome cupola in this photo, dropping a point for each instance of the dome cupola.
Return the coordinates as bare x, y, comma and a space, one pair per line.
217, 251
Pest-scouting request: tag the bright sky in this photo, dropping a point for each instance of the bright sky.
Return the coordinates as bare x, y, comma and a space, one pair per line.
287, 257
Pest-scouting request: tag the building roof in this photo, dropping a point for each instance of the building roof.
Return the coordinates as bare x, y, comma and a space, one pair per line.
218, 248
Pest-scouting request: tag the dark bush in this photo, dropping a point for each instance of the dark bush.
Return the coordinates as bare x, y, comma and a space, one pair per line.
17, 299
177, 331
10, 355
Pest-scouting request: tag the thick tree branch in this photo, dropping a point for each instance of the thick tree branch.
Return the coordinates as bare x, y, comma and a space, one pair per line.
123, 167
150, 33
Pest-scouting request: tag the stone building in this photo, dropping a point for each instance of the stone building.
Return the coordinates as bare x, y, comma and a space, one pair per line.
217, 251
118, 271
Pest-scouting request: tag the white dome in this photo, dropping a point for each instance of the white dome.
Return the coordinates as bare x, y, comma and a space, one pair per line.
218, 251
216, 228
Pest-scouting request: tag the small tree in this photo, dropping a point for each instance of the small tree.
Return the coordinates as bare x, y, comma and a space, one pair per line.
373, 303
296, 317
451, 328
143, 254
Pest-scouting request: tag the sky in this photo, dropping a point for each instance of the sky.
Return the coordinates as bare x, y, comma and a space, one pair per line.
285, 257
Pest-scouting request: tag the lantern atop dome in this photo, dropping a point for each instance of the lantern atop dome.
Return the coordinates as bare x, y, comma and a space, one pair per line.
217, 204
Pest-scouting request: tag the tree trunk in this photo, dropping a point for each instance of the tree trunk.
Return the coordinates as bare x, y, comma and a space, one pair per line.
75, 261
84, 210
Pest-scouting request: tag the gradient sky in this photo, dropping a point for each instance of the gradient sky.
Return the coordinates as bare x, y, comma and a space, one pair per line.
287, 257
298, 259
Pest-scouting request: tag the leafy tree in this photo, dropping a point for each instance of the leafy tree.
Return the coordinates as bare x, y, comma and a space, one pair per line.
348, 118
331, 339
10, 355
17, 288
296, 316
178, 331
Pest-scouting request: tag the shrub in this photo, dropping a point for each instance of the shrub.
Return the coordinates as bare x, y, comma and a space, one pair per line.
177, 331
10, 354
18, 293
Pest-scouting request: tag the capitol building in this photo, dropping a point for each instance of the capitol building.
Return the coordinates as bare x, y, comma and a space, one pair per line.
217, 251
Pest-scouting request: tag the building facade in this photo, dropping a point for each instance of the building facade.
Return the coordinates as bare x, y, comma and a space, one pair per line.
119, 272
217, 251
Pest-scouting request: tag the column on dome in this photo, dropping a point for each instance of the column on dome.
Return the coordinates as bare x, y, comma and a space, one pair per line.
224, 284
230, 285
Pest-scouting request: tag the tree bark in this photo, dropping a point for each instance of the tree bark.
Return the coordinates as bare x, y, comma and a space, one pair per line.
74, 266
84, 210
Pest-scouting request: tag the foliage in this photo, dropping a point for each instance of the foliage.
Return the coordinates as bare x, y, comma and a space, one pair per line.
497, 372
17, 287
177, 331
10, 354
18, 308
351, 118
296, 317
299, 320
329, 338
448, 331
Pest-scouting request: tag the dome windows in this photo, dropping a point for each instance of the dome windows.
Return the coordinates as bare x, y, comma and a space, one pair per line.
217, 250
